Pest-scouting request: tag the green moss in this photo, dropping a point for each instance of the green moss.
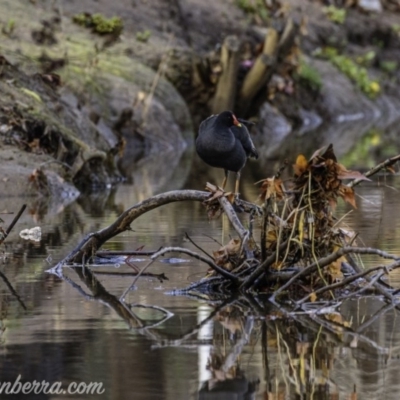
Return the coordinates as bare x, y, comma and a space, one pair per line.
396, 28
143, 36
99, 24
356, 73
366, 59
82, 20
389, 66
309, 76
9, 28
336, 15
254, 7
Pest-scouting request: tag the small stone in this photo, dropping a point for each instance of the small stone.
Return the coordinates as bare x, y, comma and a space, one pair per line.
370, 5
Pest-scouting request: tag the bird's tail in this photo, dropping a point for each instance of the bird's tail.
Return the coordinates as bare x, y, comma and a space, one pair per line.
253, 153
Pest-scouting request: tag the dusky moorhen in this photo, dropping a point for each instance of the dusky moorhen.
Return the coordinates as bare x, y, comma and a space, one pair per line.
224, 142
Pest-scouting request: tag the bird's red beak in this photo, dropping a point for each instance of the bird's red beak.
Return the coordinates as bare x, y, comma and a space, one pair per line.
235, 121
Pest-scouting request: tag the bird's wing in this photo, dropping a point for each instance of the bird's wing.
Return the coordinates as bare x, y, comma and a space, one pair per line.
242, 134
207, 123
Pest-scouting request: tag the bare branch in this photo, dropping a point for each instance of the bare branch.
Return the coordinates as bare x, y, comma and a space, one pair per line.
233, 218
323, 262
387, 163
88, 247
210, 263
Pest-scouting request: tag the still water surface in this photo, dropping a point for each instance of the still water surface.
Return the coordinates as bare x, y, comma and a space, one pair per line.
74, 329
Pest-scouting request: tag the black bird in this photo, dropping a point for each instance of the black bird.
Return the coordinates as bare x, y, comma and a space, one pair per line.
224, 142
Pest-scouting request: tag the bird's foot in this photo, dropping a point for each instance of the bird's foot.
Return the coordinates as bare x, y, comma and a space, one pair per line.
216, 191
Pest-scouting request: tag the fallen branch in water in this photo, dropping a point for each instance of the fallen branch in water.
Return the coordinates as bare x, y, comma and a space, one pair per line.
302, 252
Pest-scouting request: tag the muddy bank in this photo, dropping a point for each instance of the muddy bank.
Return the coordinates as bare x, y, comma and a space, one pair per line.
99, 105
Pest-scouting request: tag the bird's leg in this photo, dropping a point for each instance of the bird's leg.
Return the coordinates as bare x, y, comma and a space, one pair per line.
237, 184
225, 179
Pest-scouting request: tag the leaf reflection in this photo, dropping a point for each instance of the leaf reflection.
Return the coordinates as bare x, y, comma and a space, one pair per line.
300, 351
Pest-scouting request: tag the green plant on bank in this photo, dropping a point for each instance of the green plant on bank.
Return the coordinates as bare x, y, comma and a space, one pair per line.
335, 14
9, 28
309, 76
143, 36
396, 28
356, 73
98, 23
366, 59
253, 7
389, 66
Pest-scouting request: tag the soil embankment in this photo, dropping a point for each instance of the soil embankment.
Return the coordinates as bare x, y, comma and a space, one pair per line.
82, 107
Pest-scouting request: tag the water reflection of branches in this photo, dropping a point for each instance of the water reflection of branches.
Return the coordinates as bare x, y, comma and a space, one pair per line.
99, 293
298, 349
12, 290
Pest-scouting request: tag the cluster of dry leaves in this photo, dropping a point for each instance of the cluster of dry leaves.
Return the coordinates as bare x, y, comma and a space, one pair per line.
302, 212
299, 212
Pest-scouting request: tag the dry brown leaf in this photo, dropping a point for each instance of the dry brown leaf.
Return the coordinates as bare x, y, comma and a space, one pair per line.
324, 153
271, 187
335, 269
332, 203
232, 247
213, 211
313, 297
301, 165
329, 154
221, 256
216, 195
277, 266
337, 318
34, 145
344, 173
347, 194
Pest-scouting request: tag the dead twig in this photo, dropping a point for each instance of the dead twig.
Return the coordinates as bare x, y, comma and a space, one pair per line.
387, 163
197, 246
324, 262
263, 267
340, 284
226, 274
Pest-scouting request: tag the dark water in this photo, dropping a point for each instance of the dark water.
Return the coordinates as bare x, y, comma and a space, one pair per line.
72, 327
